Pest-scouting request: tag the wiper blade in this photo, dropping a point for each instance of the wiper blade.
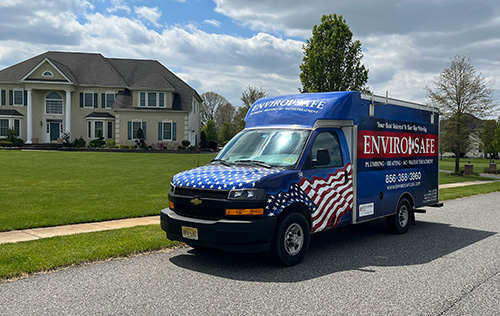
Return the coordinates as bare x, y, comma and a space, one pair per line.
257, 162
221, 161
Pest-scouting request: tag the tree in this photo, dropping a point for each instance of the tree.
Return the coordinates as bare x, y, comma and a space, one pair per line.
488, 138
224, 113
248, 97
211, 102
459, 91
332, 61
226, 132
211, 131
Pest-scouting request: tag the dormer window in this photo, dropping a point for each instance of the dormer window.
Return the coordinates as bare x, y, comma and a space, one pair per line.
47, 73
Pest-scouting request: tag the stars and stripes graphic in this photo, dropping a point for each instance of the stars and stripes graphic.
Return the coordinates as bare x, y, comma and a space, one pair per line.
327, 199
332, 197
219, 177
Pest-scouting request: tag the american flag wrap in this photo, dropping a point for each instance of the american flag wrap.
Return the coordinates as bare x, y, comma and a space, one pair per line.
331, 196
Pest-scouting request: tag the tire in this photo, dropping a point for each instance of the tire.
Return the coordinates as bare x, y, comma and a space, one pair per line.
291, 239
399, 223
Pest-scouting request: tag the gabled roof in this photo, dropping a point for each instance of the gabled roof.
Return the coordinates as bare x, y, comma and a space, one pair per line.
105, 115
91, 69
10, 113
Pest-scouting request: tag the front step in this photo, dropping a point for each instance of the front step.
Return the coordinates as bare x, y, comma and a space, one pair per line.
47, 146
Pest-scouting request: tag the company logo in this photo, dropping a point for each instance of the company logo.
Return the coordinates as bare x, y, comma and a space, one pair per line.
196, 201
373, 144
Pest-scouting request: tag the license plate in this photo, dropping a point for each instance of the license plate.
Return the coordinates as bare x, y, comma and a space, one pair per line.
190, 233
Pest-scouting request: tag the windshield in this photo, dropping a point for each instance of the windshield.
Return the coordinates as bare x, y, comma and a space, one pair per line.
265, 147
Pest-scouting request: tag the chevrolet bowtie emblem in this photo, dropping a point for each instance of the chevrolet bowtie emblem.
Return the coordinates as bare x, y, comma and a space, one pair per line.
196, 201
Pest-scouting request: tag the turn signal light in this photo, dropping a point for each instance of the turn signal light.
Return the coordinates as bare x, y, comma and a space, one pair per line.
171, 205
244, 211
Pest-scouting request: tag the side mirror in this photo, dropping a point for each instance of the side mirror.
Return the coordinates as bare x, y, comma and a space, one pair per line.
322, 157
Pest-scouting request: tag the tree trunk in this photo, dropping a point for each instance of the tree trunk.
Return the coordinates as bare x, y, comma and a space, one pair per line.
457, 162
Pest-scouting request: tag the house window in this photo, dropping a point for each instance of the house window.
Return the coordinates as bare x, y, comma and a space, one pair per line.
133, 127
142, 99
98, 128
161, 101
47, 73
17, 127
4, 127
110, 99
152, 99
88, 99
167, 131
110, 129
18, 97
53, 103
89, 129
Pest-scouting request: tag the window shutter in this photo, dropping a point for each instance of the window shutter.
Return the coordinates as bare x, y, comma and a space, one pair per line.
103, 100
129, 130
11, 97
96, 100
160, 131
144, 129
3, 97
81, 99
25, 97
174, 131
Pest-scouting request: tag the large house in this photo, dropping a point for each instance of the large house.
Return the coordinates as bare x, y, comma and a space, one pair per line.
87, 94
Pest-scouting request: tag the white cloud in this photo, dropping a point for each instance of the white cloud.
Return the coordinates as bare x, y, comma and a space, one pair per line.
151, 15
117, 5
213, 22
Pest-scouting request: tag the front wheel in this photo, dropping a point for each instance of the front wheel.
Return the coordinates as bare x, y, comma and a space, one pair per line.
291, 239
399, 223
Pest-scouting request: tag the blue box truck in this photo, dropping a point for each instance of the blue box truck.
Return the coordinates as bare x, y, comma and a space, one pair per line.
304, 164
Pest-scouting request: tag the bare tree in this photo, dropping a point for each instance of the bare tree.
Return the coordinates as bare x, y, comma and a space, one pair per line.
211, 102
459, 91
224, 113
248, 97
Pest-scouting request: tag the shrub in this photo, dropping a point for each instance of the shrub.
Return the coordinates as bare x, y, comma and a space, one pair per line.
79, 142
110, 143
186, 143
140, 142
212, 145
5, 143
66, 139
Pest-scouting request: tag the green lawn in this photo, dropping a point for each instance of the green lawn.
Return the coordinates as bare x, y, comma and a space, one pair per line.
479, 164
445, 178
51, 253
55, 188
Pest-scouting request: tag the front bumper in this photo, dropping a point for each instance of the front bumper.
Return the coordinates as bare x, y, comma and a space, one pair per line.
254, 235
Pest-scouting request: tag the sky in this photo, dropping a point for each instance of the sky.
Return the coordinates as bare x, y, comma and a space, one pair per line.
227, 45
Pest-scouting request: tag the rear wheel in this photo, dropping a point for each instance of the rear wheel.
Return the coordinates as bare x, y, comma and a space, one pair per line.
399, 223
291, 239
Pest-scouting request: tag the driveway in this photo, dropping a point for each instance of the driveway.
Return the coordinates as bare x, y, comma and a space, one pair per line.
448, 264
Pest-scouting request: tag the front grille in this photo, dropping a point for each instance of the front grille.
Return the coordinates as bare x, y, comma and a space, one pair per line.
209, 194
199, 212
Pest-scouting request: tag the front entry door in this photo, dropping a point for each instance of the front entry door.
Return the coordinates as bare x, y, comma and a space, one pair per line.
55, 131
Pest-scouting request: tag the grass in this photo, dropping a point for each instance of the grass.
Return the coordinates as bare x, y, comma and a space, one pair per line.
445, 178
461, 192
29, 257
449, 164
56, 188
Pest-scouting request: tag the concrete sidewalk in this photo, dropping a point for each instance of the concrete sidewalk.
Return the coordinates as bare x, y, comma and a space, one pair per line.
45, 232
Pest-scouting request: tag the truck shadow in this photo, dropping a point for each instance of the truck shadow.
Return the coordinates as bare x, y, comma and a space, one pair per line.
360, 247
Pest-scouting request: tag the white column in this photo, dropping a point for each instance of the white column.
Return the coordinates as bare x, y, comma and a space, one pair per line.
68, 112
29, 119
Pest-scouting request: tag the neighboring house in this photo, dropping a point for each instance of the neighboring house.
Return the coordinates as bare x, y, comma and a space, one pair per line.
476, 126
84, 94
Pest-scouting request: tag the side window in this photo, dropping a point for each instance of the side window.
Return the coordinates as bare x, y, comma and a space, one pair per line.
325, 151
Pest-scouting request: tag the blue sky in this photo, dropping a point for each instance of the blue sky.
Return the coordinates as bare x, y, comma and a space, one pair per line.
226, 45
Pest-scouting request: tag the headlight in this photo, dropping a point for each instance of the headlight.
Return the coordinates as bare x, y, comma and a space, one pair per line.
247, 194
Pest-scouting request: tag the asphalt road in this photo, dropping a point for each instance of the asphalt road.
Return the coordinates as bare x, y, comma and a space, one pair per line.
448, 264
